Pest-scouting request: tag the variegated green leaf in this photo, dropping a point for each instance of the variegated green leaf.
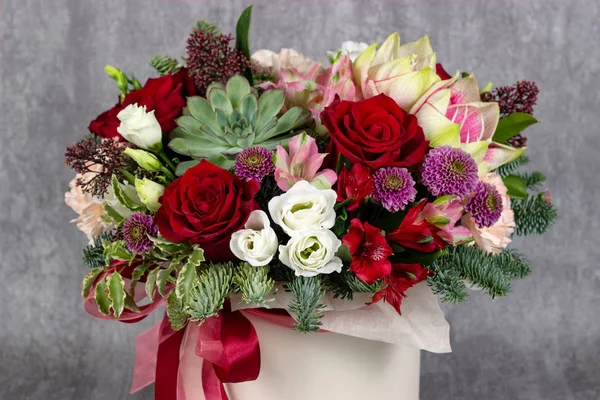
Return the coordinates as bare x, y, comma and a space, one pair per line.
127, 196
197, 256
116, 251
116, 293
101, 297
169, 247
151, 283
185, 280
130, 303
88, 281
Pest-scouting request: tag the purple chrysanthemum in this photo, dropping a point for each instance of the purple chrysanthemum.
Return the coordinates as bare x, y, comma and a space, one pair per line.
394, 188
449, 171
485, 205
254, 163
136, 230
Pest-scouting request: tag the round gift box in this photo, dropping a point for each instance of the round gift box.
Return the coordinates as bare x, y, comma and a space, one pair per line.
319, 366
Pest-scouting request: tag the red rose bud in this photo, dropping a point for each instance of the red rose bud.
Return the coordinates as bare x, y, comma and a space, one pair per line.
375, 132
355, 184
206, 206
369, 251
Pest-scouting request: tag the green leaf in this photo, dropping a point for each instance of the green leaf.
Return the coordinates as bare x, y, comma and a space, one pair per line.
242, 39
343, 203
112, 214
515, 186
151, 283
512, 125
116, 293
185, 280
127, 195
116, 251
197, 256
101, 297
130, 303
169, 247
343, 253
88, 282
340, 223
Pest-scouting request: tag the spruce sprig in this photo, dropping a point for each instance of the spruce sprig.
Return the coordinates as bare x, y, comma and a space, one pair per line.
210, 289
533, 215
345, 284
511, 167
307, 304
464, 265
254, 283
93, 254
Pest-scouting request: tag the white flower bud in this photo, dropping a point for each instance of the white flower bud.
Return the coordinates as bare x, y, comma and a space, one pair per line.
140, 127
149, 193
257, 244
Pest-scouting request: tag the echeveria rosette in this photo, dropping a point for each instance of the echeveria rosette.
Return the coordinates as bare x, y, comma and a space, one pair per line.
230, 119
451, 113
311, 252
403, 73
484, 205
369, 250
137, 230
449, 171
394, 188
302, 162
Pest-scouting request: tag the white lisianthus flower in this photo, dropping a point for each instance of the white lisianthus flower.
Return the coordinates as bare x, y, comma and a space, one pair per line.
311, 252
140, 127
303, 207
350, 48
257, 244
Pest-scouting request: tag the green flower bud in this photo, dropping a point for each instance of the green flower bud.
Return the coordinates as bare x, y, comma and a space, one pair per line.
149, 192
118, 76
147, 161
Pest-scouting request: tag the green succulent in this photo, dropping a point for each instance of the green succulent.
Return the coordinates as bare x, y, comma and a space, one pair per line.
231, 118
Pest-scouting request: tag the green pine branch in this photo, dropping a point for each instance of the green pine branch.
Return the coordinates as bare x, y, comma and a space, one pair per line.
307, 305
255, 284
209, 291
93, 255
511, 167
346, 284
165, 65
533, 215
176, 312
492, 273
533, 179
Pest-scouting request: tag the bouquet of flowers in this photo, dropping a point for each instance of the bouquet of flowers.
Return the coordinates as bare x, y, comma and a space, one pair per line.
237, 178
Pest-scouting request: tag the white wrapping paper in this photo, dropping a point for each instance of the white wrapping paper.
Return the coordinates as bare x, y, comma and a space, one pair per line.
422, 324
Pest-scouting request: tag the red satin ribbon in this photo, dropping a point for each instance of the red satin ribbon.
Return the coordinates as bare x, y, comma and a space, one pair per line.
228, 344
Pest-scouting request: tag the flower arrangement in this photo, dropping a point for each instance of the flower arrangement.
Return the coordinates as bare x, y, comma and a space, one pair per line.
235, 178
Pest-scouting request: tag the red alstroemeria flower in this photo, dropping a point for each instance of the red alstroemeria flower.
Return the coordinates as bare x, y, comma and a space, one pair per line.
355, 184
403, 277
416, 233
369, 251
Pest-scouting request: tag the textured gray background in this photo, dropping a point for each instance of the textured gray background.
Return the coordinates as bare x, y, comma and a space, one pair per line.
543, 342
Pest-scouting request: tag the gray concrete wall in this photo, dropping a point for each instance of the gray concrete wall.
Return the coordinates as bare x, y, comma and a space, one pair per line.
542, 342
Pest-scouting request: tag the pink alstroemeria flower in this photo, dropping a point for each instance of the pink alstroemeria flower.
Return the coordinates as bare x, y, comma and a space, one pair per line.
444, 213
302, 163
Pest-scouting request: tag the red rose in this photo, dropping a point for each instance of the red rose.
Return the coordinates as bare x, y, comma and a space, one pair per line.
165, 95
403, 277
106, 124
355, 184
375, 132
416, 233
441, 72
205, 206
369, 251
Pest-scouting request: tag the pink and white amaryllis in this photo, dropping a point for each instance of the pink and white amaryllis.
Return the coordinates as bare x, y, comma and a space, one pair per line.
403, 73
451, 113
302, 163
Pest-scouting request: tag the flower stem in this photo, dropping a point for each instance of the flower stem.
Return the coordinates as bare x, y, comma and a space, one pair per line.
128, 175
166, 159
